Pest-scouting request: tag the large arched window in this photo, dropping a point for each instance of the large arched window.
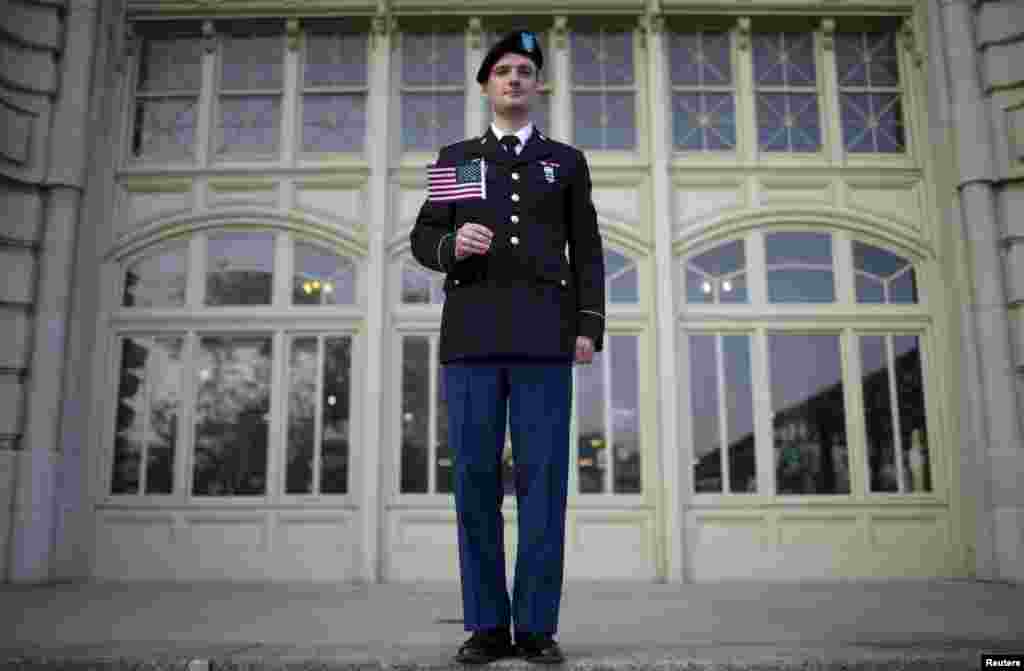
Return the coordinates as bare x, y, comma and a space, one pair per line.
787, 401
210, 330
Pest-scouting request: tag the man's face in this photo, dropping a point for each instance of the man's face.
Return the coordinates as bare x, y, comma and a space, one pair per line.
512, 84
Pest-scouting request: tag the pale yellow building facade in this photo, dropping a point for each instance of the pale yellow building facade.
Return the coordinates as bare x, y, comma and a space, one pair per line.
219, 359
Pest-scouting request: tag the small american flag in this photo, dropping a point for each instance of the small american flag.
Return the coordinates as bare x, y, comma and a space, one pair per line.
457, 182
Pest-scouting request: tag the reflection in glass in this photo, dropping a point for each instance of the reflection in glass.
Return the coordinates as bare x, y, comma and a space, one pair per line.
415, 413
808, 418
625, 413
718, 275
431, 120
157, 281
913, 428
165, 399
445, 455
333, 122
252, 58
867, 65
883, 277
592, 439
421, 285
322, 277
878, 417
700, 59
621, 276
788, 122
335, 58
335, 416
148, 414
739, 413
799, 267
872, 122
704, 121
164, 128
301, 416
707, 438
249, 124
167, 65
240, 269
784, 59
232, 406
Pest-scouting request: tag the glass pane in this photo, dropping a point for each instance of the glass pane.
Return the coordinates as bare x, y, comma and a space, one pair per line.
798, 59
876, 261
801, 286
700, 59
336, 59
430, 121
689, 121
590, 425
252, 62
445, 456
420, 285
333, 122
913, 427
249, 125
450, 65
795, 247
903, 289
415, 413
166, 377
623, 288
587, 113
625, 415
164, 128
739, 413
808, 419
417, 65
881, 59
335, 420
240, 269
621, 116
301, 416
586, 66
869, 289
322, 277
129, 423
156, 281
788, 122
715, 275
170, 64
768, 66
618, 60
232, 415
878, 415
850, 59
540, 112
888, 111
799, 267
707, 437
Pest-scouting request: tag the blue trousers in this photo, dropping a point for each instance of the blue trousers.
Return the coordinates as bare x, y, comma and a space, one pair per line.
537, 397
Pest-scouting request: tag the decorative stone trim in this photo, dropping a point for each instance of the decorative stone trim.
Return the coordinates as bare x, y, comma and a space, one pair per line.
476, 32
743, 33
909, 41
561, 32
828, 32
294, 34
209, 37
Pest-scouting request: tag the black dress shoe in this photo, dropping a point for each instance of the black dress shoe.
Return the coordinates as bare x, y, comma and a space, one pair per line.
485, 646
539, 649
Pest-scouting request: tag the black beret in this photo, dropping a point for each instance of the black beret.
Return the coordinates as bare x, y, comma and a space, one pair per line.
520, 42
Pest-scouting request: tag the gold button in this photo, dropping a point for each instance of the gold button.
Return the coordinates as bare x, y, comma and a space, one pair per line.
514, 240
514, 218
564, 283
456, 282
515, 197
515, 175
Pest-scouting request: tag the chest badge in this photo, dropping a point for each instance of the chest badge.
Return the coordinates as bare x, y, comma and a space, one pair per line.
549, 170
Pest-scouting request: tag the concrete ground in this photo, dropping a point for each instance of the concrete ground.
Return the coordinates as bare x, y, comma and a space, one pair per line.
905, 624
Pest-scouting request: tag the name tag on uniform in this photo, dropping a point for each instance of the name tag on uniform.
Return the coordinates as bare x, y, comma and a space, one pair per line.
549, 170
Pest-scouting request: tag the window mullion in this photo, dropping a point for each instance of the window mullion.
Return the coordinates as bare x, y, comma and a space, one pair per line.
146, 386
723, 424
318, 423
432, 413
280, 379
856, 435
609, 419
292, 81
894, 406
828, 83
746, 108
206, 107
190, 399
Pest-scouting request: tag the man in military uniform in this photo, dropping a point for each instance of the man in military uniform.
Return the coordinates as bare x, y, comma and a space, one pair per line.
517, 314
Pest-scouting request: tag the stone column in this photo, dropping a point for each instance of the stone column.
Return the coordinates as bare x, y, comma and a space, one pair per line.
33, 531
990, 382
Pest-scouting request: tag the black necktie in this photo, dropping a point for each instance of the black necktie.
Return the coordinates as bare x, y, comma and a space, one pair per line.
510, 142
